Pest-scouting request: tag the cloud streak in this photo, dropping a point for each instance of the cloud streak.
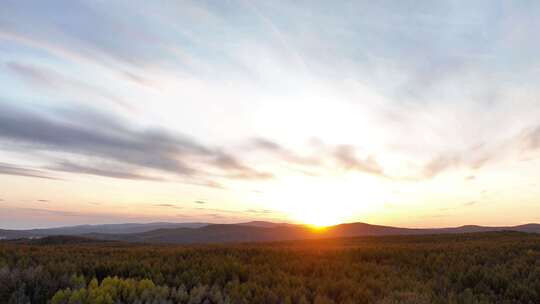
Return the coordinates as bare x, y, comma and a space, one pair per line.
99, 136
284, 154
112, 149
8, 169
102, 137
46, 78
238, 170
168, 206
66, 166
346, 157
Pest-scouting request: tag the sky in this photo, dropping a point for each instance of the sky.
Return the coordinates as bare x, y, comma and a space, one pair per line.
403, 113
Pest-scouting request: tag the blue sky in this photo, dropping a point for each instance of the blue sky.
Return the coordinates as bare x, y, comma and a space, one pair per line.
404, 113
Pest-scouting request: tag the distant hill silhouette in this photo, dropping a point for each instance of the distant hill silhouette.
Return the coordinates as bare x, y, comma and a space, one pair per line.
217, 233
264, 224
59, 240
257, 231
105, 228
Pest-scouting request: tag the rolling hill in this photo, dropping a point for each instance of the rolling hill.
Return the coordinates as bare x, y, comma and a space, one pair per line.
125, 228
226, 233
257, 231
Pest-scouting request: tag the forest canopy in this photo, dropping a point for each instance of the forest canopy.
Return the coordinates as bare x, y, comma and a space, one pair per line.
500, 267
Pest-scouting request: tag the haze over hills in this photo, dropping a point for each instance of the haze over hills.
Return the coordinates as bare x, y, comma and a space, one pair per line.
124, 228
256, 231
115, 228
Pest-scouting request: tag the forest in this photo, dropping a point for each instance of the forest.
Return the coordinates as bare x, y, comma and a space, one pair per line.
494, 267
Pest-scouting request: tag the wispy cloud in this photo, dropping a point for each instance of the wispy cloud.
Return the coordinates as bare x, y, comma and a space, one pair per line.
284, 154
439, 164
31, 73
216, 216
168, 206
238, 170
345, 155
66, 166
9, 169
45, 78
259, 211
98, 135
101, 136
62, 213
224, 211
531, 138
471, 203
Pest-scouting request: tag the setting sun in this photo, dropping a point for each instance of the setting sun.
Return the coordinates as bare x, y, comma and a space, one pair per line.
324, 202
